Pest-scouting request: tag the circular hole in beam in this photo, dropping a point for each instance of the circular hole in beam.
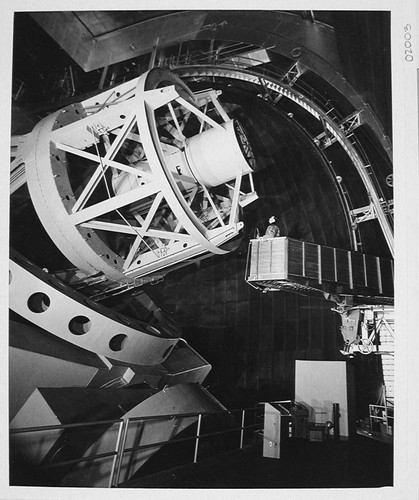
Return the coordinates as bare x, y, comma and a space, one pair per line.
79, 325
39, 302
117, 342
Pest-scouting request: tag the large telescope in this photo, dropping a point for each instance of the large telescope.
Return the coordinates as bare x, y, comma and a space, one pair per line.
140, 178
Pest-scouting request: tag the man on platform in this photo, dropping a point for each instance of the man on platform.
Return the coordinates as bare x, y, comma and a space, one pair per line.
272, 230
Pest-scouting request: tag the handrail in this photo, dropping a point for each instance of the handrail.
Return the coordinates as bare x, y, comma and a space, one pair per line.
22, 430
169, 416
120, 448
386, 416
74, 461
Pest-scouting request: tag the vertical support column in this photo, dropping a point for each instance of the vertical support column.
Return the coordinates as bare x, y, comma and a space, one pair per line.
351, 274
365, 270
152, 62
319, 263
336, 421
211, 50
376, 334
335, 264
370, 415
121, 452
380, 281
103, 77
117, 454
242, 429
198, 432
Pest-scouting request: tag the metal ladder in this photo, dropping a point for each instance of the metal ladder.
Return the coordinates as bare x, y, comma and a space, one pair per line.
386, 329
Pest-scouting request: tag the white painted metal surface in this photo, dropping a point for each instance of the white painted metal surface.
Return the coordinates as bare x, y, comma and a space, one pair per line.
123, 182
335, 131
84, 323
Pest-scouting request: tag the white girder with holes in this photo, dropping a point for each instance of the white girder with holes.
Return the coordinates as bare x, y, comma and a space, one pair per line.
84, 323
140, 178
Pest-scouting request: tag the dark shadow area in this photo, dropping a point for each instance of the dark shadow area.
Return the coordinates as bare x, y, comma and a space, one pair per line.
359, 463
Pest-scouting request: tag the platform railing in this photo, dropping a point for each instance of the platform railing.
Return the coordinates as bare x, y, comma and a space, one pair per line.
382, 414
240, 421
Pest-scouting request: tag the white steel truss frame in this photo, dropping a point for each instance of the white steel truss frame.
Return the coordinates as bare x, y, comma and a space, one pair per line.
336, 131
103, 125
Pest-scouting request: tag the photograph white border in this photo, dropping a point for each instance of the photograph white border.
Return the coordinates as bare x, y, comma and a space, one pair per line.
405, 76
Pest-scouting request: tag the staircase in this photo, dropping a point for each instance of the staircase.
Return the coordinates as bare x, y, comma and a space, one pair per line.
385, 327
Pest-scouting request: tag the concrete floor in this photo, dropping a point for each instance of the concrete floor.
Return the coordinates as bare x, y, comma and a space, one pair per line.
358, 463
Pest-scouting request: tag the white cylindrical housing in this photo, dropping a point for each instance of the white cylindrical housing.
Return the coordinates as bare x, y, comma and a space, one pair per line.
217, 156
